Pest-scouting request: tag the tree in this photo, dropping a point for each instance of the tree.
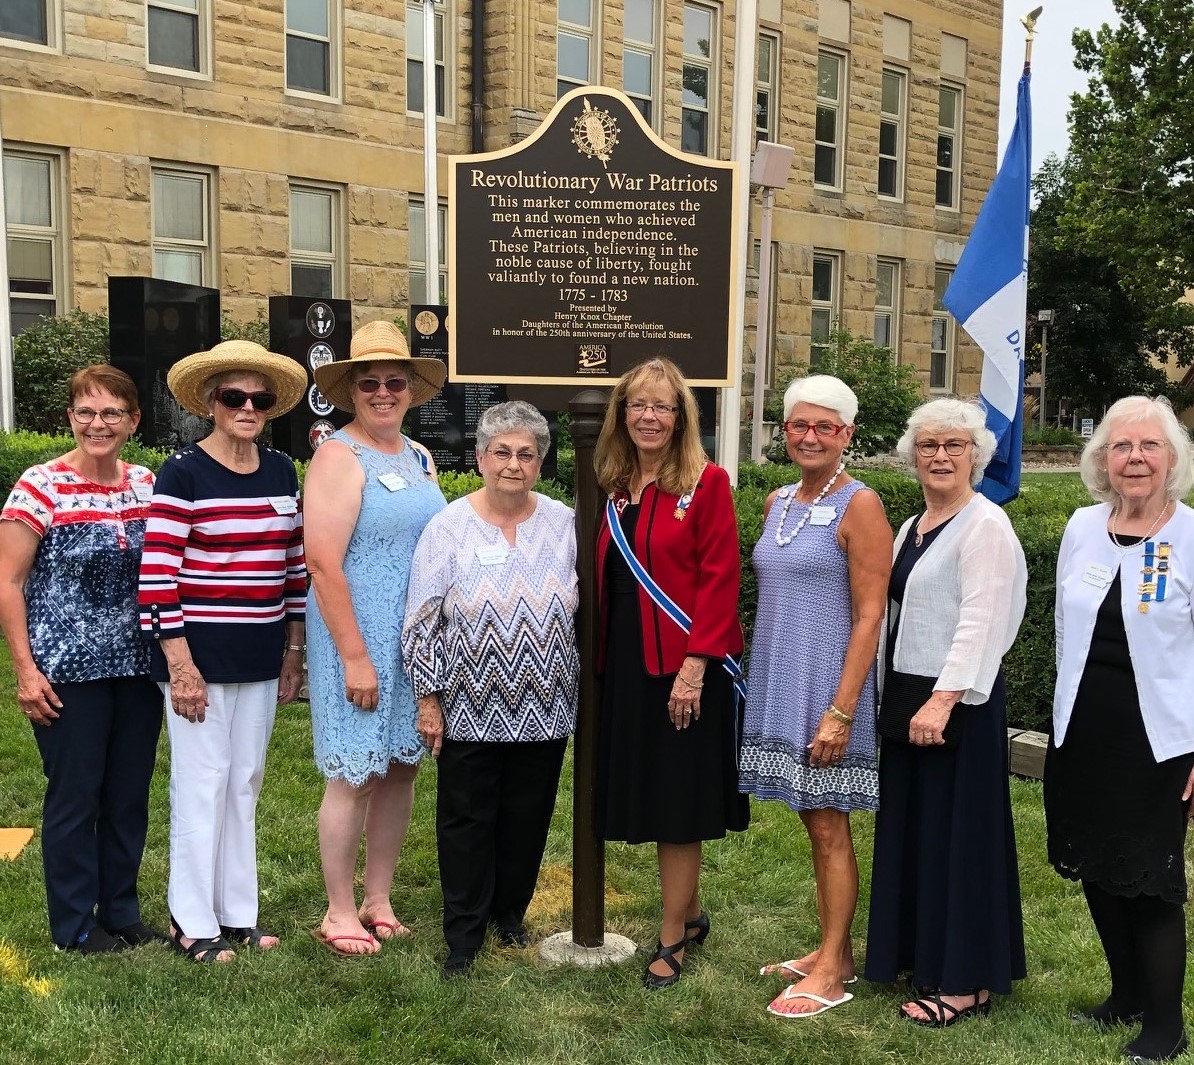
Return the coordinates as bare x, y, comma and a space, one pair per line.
1132, 150
44, 357
1102, 336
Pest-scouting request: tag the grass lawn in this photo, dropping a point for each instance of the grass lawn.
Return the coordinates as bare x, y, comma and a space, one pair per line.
298, 1004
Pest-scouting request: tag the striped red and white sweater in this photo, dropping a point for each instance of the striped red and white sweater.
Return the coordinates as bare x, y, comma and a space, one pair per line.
223, 564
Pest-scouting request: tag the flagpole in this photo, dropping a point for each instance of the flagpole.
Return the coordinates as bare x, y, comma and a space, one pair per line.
7, 399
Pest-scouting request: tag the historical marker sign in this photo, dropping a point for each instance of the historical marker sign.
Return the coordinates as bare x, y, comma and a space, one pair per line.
587, 247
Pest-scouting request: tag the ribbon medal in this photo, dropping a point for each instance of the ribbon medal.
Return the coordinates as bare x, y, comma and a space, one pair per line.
1155, 572
682, 505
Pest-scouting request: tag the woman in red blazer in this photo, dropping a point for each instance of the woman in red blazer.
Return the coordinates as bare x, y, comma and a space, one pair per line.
668, 757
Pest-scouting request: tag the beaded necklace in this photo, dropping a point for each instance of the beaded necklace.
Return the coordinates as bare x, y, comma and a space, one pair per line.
1125, 548
782, 540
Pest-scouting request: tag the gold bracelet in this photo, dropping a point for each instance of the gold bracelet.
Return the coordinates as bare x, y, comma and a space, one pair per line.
690, 683
295, 647
837, 715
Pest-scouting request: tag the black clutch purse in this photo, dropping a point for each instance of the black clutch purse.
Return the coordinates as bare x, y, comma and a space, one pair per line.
903, 695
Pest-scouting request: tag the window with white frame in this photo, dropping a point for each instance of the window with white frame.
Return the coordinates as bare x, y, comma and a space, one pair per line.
575, 45
891, 134
828, 134
766, 87
887, 304
826, 285
414, 61
640, 57
182, 225
699, 98
176, 33
417, 219
949, 130
941, 346
32, 206
27, 21
311, 46
315, 260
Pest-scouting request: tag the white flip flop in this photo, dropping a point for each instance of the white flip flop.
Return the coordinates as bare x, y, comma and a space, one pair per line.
826, 1004
788, 970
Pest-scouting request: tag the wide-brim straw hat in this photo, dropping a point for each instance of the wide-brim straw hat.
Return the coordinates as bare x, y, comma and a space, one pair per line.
188, 376
380, 341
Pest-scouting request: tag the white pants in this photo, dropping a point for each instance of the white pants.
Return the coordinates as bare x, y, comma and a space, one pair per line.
216, 767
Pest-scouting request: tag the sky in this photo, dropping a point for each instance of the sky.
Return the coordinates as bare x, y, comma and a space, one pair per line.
1053, 75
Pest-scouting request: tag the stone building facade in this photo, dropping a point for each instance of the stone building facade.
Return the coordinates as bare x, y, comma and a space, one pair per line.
271, 146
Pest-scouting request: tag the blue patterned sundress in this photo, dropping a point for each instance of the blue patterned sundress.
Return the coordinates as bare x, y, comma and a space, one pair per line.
354, 744
796, 657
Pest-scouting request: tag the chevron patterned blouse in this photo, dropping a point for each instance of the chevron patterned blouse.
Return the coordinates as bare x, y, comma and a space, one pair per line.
489, 627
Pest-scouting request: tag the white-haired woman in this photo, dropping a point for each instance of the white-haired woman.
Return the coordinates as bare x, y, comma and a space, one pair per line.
823, 563
945, 892
1119, 772
491, 649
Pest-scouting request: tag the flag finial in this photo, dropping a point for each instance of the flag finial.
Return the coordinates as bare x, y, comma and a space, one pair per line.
1029, 23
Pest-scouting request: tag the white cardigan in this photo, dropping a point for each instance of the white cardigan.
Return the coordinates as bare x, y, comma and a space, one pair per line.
963, 603
1161, 641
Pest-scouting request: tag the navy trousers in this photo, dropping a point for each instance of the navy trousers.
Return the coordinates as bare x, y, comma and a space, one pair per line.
98, 760
493, 808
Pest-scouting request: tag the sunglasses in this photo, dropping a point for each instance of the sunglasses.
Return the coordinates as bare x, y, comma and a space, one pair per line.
234, 398
394, 385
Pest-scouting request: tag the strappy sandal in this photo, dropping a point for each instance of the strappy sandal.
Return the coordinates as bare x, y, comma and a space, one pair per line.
248, 937
935, 1008
667, 955
203, 951
700, 926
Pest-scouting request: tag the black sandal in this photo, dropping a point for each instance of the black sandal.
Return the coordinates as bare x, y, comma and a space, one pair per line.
248, 937
204, 951
700, 926
935, 1008
668, 955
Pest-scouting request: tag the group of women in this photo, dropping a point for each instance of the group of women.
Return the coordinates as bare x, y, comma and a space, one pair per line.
448, 629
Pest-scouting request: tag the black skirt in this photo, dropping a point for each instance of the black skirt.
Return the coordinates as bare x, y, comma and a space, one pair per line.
1114, 813
655, 783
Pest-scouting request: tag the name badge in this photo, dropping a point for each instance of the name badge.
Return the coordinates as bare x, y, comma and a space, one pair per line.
143, 491
1098, 575
392, 481
822, 515
283, 504
492, 554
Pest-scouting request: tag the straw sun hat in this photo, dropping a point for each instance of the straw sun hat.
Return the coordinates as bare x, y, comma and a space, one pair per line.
379, 341
188, 376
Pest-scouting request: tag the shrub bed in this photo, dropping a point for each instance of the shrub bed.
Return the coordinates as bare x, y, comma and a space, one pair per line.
1039, 516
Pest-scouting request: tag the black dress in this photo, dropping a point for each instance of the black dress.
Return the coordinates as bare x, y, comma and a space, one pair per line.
657, 783
945, 888
1114, 813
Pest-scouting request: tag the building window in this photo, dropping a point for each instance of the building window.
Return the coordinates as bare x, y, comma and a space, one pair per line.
174, 34
414, 61
27, 21
891, 135
887, 305
699, 110
826, 274
949, 127
418, 264
941, 348
766, 87
640, 57
574, 46
314, 242
32, 208
181, 225
830, 120
310, 54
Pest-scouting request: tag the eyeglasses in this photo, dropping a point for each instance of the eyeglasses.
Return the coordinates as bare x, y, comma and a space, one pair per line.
504, 455
800, 428
1122, 449
234, 398
928, 449
394, 385
665, 410
85, 415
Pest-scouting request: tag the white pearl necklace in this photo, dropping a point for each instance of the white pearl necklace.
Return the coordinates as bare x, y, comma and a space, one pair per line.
1125, 548
782, 540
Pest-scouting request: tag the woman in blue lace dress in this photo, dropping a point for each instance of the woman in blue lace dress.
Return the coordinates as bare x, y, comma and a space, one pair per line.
369, 493
809, 736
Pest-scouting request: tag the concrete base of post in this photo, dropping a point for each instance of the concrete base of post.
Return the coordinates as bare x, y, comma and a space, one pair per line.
561, 949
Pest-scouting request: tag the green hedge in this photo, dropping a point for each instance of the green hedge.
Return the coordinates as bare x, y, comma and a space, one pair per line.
1039, 517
